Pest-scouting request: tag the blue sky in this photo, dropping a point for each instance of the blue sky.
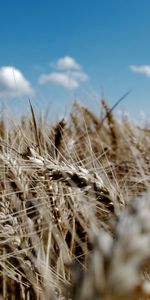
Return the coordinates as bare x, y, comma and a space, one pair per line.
56, 51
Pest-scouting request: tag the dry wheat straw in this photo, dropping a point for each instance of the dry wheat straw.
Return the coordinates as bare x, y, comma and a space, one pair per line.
64, 229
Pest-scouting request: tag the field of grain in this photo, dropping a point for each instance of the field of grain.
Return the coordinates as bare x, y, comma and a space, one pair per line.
74, 208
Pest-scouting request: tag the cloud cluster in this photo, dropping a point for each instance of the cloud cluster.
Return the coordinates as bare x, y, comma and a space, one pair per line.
67, 74
13, 83
143, 69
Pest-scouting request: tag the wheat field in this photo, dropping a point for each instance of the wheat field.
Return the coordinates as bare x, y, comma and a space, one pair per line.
75, 208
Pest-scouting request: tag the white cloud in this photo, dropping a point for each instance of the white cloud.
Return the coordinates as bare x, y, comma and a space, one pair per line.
62, 79
144, 69
12, 82
67, 62
81, 76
